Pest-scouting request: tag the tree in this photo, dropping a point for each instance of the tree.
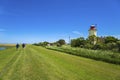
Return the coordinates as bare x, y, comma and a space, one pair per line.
61, 42
111, 46
110, 39
98, 46
101, 40
118, 45
36, 44
79, 42
45, 43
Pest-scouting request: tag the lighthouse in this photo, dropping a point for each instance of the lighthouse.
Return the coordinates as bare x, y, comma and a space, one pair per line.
92, 30
93, 34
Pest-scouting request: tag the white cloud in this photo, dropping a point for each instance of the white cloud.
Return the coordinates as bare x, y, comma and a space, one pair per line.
77, 32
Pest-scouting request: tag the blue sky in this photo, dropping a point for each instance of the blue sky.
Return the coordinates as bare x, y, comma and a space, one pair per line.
32, 21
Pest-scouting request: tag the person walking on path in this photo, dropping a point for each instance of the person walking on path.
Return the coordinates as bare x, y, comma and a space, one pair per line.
17, 46
23, 45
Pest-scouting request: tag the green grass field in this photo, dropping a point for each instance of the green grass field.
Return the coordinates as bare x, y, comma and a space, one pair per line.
37, 63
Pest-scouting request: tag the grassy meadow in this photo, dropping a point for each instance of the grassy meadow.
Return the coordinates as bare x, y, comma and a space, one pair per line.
38, 63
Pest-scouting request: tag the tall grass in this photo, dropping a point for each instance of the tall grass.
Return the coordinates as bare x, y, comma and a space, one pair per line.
100, 55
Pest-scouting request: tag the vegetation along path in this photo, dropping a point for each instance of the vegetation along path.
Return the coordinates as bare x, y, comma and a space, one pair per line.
37, 63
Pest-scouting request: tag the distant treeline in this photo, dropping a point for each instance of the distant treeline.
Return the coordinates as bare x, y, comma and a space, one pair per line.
57, 43
102, 43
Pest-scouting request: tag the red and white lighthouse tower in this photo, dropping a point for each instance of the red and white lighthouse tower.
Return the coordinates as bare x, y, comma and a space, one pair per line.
93, 34
92, 30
